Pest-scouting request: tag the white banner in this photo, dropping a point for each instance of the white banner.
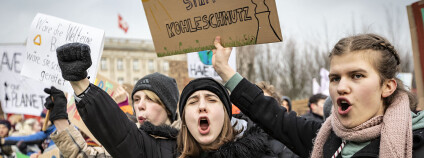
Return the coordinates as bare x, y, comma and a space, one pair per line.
48, 33
199, 64
19, 94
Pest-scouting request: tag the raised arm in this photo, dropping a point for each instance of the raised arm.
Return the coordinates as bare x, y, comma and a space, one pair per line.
98, 110
295, 132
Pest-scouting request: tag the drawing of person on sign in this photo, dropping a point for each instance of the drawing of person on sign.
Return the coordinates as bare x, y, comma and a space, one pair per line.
265, 29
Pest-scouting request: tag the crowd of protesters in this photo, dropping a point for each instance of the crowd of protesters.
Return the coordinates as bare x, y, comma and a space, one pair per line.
369, 113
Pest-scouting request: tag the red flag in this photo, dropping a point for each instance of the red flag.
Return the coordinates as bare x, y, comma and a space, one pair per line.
122, 24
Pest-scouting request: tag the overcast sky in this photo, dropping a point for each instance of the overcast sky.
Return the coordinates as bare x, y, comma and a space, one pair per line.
303, 20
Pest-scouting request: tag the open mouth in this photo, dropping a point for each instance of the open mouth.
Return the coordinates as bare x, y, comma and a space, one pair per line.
141, 119
344, 106
204, 125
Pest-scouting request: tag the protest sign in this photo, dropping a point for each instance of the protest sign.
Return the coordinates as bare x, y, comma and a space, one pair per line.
106, 84
110, 86
191, 25
75, 118
199, 64
102, 82
48, 33
53, 153
19, 94
416, 25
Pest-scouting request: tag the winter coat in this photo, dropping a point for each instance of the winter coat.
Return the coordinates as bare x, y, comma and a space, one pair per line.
253, 144
313, 117
278, 149
72, 144
119, 136
295, 132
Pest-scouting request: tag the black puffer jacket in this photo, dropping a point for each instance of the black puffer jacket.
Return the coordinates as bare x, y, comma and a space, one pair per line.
253, 144
295, 132
278, 149
120, 136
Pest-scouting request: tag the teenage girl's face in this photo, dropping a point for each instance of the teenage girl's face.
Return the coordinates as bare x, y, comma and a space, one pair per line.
204, 116
355, 88
148, 110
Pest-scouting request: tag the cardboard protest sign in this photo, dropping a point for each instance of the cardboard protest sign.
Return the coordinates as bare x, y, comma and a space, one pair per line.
75, 118
416, 25
19, 94
110, 86
191, 25
48, 33
106, 84
199, 64
53, 153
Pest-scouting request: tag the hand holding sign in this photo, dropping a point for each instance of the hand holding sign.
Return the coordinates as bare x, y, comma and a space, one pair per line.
220, 59
74, 60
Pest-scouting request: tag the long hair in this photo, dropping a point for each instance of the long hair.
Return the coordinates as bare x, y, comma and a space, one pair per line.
387, 64
188, 146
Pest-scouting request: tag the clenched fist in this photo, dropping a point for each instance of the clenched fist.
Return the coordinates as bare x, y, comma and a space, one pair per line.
74, 60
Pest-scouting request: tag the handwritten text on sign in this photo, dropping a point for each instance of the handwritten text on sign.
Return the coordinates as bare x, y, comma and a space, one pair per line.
18, 94
47, 33
191, 25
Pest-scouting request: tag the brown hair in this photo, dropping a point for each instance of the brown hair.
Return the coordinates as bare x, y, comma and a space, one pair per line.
189, 147
387, 65
268, 88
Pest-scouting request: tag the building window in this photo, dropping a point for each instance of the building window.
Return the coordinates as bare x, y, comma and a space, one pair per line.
136, 66
120, 80
103, 64
165, 66
120, 65
135, 80
151, 66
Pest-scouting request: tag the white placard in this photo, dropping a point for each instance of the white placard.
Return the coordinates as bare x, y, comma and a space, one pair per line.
199, 64
19, 94
48, 33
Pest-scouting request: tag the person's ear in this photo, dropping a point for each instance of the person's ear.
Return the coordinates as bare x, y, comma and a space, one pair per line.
313, 106
389, 86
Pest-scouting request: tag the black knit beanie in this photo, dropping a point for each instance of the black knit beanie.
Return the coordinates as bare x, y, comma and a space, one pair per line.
6, 123
208, 84
164, 87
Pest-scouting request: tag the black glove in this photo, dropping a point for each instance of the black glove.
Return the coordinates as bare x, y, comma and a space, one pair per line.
57, 106
74, 60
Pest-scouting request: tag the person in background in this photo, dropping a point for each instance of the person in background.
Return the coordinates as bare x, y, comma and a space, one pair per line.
5, 127
70, 141
316, 108
286, 102
277, 147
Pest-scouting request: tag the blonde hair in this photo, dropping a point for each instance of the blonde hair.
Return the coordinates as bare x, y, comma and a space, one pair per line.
189, 147
155, 98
